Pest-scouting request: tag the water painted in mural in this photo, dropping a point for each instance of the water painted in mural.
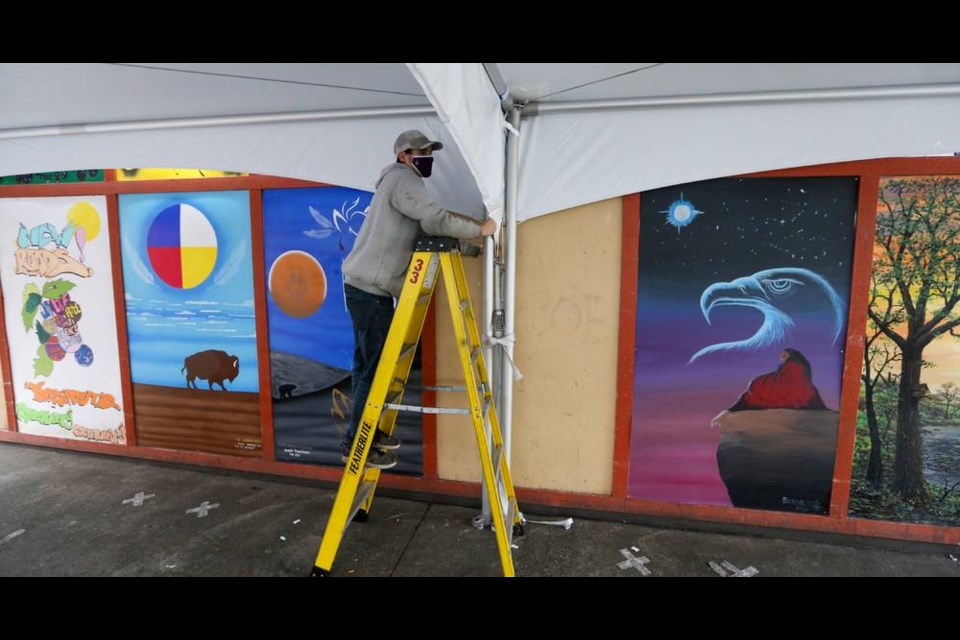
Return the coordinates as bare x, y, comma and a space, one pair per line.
907, 454
188, 280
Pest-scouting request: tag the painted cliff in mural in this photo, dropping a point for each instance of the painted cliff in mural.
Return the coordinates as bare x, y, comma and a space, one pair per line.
743, 288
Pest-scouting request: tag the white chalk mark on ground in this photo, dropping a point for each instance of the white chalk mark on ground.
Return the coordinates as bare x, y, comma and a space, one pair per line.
11, 536
724, 567
633, 562
203, 509
137, 500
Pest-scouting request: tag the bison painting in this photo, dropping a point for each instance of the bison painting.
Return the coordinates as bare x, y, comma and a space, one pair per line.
213, 366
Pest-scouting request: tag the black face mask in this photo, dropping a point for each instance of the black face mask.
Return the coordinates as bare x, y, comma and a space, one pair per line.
424, 165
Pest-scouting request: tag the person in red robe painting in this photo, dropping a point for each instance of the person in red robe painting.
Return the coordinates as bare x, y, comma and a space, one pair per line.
789, 387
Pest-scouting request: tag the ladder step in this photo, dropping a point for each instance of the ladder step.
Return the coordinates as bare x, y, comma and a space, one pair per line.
363, 492
408, 348
415, 409
508, 520
424, 298
495, 459
433, 387
393, 397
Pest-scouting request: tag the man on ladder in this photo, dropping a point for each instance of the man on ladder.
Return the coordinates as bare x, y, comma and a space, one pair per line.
373, 273
390, 260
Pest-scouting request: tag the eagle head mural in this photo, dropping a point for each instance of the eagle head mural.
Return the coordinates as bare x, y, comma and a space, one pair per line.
779, 294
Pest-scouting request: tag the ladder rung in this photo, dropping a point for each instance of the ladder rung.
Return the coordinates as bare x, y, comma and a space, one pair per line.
424, 298
408, 348
393, 397
415, 409
363, 492
495, 459
433, 387
508, 520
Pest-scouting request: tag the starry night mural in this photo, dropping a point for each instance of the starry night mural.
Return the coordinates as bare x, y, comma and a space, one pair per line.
743, 288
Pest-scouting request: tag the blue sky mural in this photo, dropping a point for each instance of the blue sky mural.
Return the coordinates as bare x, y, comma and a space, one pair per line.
212, 308
322, 223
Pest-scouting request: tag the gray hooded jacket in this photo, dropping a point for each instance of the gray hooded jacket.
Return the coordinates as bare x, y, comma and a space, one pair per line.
400, 210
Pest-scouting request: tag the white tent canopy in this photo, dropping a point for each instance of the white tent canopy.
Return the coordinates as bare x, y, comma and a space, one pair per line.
607, 130
601, 130
591, 131
332, 123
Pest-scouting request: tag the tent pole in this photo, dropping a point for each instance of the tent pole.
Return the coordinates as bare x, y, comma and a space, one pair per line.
510, 286
186, 123
753, 97
498, 307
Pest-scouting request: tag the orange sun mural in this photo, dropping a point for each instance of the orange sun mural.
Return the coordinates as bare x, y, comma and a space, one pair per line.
297, 284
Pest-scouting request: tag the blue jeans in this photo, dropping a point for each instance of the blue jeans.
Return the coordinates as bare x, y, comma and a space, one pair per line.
371, 315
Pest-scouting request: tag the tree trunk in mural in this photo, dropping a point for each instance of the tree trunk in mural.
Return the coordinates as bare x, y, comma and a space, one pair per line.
875, 465
871, 375
916, 287
908, 465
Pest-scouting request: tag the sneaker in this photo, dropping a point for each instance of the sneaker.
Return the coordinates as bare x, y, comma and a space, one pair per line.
376, 459
385, 442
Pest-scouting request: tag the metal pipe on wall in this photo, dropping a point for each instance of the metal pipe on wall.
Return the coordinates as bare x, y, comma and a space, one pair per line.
510, 279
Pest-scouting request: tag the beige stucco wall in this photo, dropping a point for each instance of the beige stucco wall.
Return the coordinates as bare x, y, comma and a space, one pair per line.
568, 296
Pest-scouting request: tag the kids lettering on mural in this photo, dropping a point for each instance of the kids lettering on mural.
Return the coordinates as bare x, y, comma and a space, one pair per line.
33, 258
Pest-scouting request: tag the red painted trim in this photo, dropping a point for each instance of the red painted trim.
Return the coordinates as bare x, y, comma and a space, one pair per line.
154, 186
10, 405
120, 309
268, 449
109, 175
853, 358
428, 358
882, 167
630, 260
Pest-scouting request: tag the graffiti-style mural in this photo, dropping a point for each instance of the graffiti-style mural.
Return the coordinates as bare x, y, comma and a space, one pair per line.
907, 454
743, 288
307, 235
55, 268
54, 177
188, 282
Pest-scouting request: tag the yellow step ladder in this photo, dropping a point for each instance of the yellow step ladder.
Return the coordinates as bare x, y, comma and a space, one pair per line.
355, 496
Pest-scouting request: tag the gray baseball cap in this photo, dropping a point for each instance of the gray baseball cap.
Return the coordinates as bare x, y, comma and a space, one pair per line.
414, 139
